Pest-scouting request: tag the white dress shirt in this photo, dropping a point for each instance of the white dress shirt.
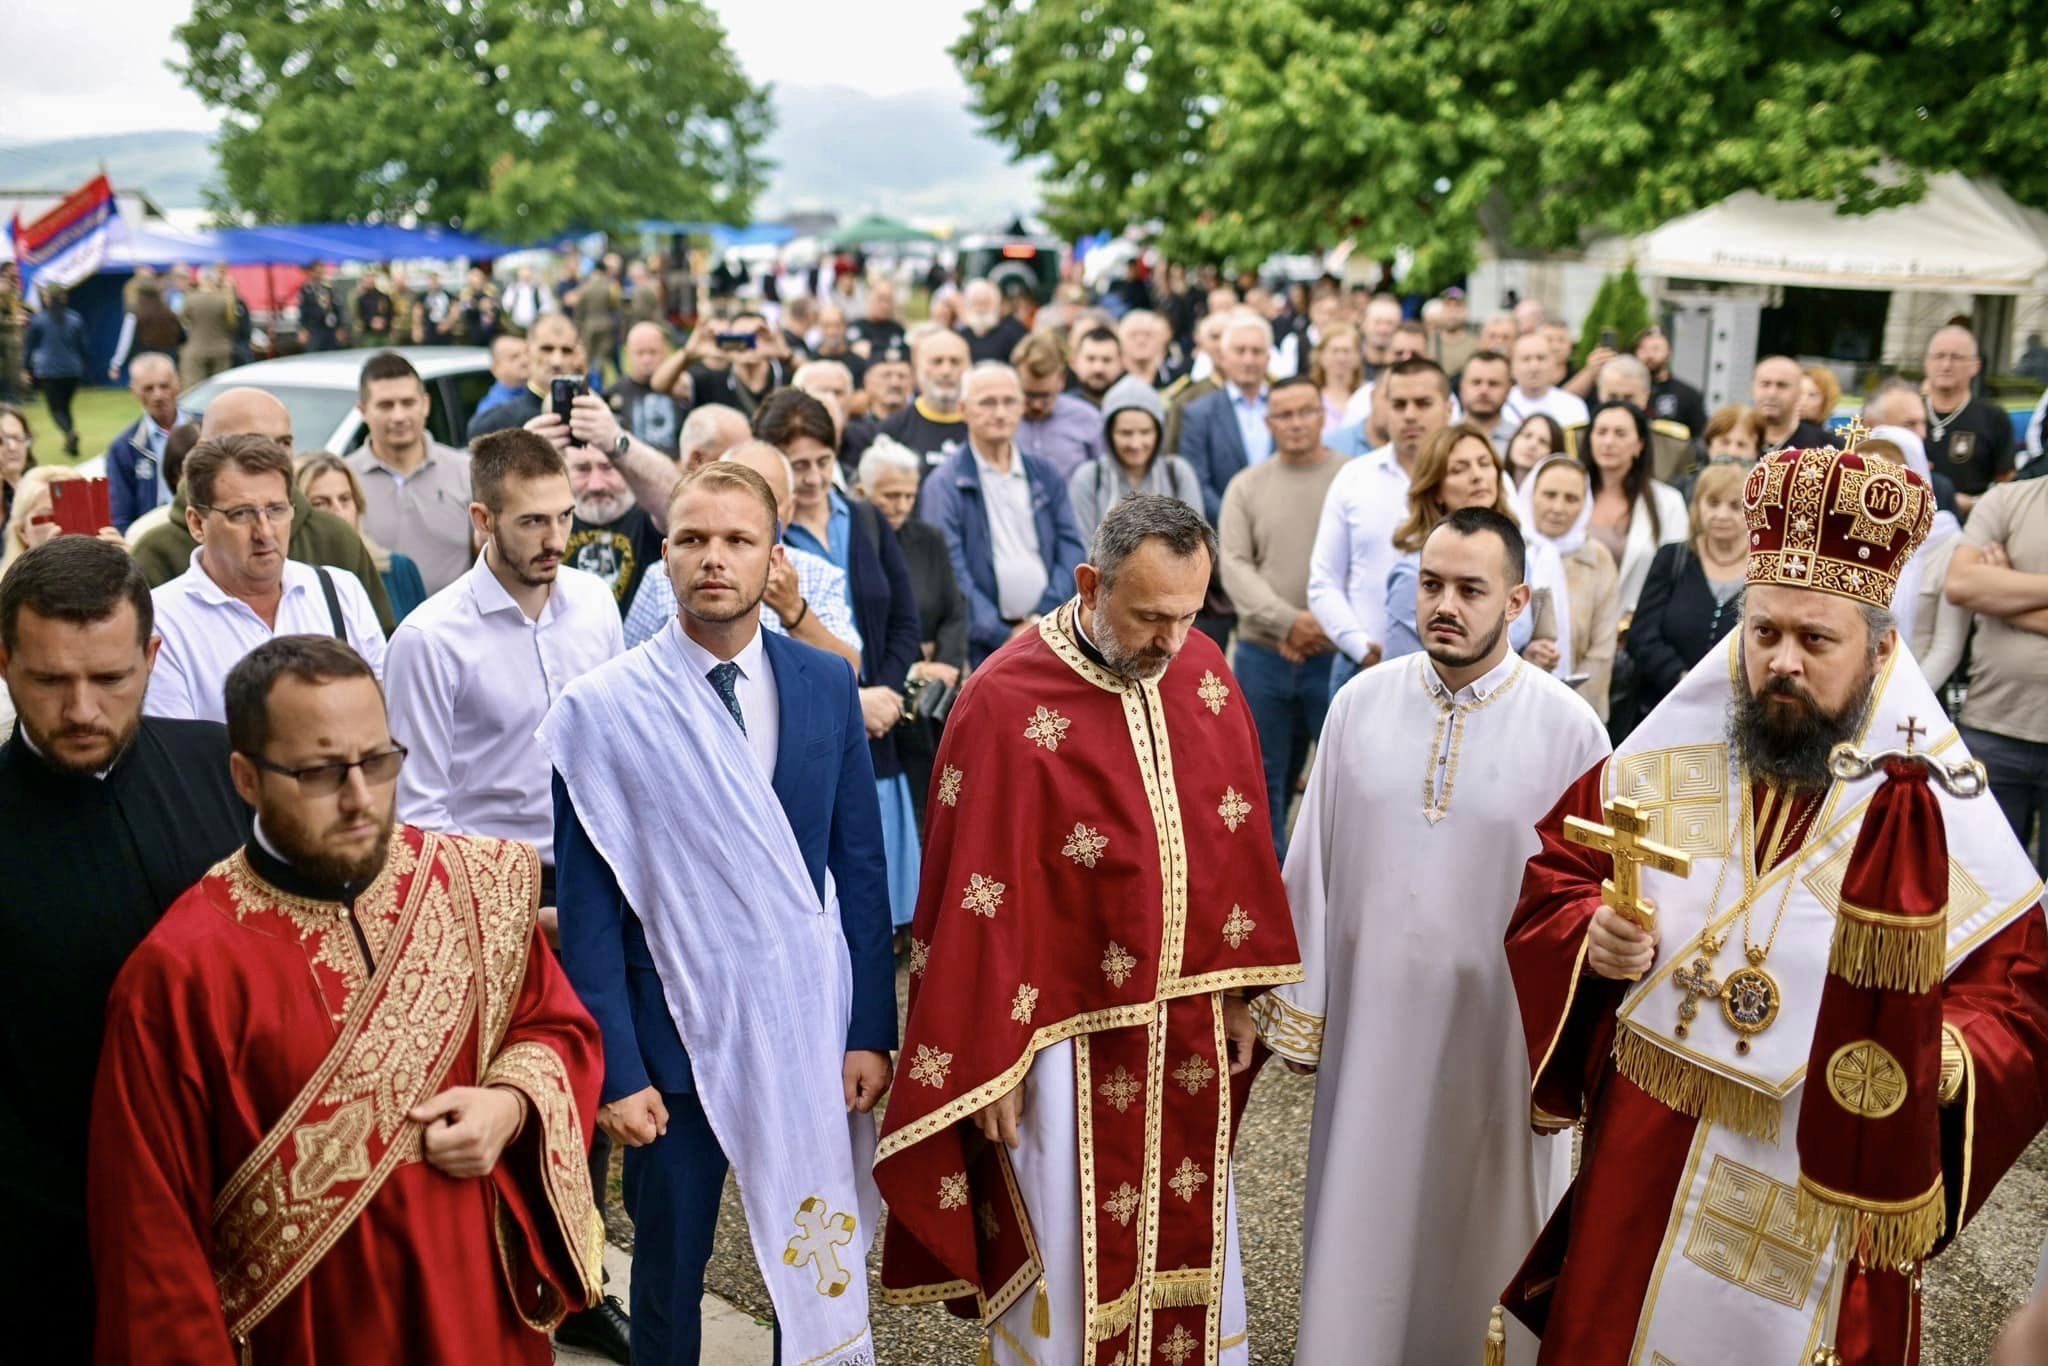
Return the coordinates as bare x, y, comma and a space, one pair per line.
756, 688
470, 678
1013, 536
205, 633
1566, 408
1354, 551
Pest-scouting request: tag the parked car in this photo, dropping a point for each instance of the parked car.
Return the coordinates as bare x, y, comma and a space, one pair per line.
318, 389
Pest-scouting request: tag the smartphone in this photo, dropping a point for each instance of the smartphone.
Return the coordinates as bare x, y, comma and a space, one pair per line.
80, 507
562, 396
737, 341
1608, 339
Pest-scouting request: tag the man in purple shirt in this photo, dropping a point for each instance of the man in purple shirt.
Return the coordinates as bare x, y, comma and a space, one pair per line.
1058, 428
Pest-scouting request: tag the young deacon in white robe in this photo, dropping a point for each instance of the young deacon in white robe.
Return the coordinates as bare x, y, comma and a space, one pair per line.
1425, 1180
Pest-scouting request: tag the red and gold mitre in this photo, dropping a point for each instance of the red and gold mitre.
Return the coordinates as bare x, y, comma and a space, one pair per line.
1838, 521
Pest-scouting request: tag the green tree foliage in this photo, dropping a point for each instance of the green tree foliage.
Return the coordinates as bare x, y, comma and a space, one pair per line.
523, 118
1288, 125
1619, 306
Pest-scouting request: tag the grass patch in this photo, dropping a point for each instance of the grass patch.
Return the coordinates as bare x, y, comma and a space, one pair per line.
100, 415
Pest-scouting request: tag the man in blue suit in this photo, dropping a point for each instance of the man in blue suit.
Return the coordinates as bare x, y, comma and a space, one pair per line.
1226, 431
135, 480
799, 712
1005, 515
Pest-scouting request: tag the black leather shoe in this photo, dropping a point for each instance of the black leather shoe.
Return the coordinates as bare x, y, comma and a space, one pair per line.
603, 1328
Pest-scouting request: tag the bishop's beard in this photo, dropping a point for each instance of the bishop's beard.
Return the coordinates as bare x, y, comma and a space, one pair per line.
1788, 741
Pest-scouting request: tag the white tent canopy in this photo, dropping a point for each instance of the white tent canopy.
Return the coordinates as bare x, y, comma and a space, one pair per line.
1964, 235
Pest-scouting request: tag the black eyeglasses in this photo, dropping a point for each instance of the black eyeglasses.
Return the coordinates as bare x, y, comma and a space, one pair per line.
323, 780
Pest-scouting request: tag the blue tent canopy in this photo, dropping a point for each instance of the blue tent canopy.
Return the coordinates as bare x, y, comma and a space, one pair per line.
724, 237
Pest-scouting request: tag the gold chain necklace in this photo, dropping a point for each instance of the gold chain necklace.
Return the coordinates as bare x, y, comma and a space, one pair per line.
1749, 996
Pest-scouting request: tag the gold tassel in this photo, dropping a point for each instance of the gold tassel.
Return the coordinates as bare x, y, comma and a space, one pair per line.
1888, 952
1692, 1090
1496, 1353
1888, 1236
1041, 1312
988, 1351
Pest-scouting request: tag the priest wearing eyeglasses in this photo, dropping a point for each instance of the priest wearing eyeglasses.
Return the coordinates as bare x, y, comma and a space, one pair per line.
346, 1090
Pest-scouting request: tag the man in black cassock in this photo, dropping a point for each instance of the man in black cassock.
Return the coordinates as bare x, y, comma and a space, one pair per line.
105, 819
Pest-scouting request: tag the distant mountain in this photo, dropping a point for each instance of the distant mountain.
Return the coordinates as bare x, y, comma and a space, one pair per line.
835, 148
904, 155
171, 168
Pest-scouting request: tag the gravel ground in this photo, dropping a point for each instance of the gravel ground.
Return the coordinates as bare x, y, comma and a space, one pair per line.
1970, 1290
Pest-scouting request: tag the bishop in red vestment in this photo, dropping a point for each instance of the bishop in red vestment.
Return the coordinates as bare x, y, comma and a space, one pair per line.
1689, 1235
346, 1094
1099, 891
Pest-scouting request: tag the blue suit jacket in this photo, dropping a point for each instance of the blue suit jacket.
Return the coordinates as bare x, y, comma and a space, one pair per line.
827, 789
1212, 443
952, 502
130, 491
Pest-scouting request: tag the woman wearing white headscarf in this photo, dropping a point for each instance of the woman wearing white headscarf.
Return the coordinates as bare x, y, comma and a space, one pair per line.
1555, 502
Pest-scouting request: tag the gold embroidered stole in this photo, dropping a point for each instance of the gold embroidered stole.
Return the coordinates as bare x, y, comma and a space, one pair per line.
443, 968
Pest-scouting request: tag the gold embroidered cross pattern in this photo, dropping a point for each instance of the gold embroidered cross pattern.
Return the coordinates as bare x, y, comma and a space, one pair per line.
1238, 927
949, 785
1024, 1003
1047, 727
1179, 1347
953, 1191
1117, 963
983, 896
818, 1232
1085, 846
1234, 808
1120, 1090
931, 1065
1122, 1205
1195, 1073
1189, 1180
1213, 692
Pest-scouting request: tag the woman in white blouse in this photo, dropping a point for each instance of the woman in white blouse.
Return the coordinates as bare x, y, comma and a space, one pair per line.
1633, 514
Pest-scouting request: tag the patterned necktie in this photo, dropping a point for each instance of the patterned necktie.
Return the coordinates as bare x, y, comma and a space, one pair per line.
725, 678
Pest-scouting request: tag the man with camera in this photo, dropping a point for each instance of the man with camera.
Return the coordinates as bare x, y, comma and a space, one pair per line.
736, 361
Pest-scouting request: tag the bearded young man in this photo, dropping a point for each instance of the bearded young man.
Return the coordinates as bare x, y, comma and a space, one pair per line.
1686, 1048
1403, 869
346, 1092
1101, 895
725, 916
106, 816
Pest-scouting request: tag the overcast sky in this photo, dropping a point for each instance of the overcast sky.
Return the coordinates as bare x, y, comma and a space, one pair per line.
97, 66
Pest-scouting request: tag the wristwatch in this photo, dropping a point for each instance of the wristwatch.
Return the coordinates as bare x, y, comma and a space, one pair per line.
621, 446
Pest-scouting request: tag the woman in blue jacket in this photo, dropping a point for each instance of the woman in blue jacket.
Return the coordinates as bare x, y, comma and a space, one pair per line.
56, 346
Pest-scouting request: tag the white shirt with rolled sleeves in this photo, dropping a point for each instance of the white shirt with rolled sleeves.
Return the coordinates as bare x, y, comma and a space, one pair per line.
1354, 551
206, 631
470, 678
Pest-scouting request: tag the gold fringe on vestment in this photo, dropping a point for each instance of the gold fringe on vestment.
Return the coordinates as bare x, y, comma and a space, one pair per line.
1496, 1352
988, 1351
1692, 1090
1119, 1314
1889, 952
1180, 1290
1884, 1234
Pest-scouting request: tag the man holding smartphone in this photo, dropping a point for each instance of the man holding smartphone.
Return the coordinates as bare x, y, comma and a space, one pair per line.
737, 361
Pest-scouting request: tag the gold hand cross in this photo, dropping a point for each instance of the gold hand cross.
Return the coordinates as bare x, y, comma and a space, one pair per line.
1622, 837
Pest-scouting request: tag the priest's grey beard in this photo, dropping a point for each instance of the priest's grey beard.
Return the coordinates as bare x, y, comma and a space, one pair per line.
1789, 743
1140, 666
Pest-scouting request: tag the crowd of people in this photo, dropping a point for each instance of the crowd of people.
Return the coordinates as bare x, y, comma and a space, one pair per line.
763, 657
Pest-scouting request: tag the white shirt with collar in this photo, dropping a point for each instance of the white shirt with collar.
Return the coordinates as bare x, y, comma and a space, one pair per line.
1354, 551
206, 631
470, 678
1013, 535
1566, 408
759, 699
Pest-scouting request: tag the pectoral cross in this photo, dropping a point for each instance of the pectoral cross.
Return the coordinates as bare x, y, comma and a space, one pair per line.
1622, 837
1695, 981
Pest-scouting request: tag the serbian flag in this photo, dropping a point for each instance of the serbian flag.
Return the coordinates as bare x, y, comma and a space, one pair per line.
68, 243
